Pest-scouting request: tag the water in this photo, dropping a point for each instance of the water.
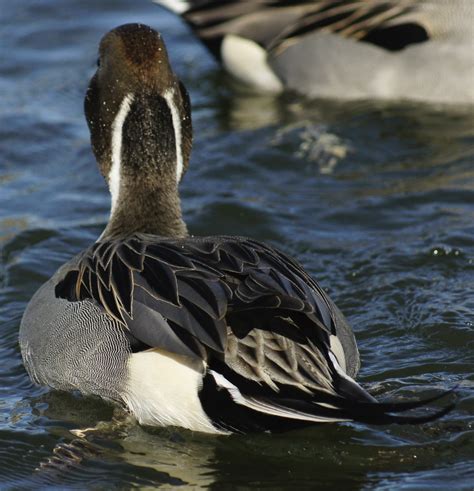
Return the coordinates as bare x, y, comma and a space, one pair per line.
376, 200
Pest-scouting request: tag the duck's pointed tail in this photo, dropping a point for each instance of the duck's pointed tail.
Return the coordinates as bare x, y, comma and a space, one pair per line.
363, 407
380, 413
350, 403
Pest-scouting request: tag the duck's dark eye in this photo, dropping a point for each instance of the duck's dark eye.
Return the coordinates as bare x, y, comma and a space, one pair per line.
98, 61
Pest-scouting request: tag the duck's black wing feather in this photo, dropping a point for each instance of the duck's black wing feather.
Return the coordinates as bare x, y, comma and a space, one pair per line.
196, 284
389, 24
263, 326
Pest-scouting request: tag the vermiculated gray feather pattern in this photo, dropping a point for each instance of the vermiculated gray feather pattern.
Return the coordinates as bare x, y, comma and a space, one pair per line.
89, 352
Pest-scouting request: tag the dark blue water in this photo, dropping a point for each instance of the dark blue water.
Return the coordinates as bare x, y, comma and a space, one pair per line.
376, 200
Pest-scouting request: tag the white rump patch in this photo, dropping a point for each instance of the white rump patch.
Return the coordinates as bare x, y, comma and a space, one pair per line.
178, 6
169, 96
162, 390
115, 170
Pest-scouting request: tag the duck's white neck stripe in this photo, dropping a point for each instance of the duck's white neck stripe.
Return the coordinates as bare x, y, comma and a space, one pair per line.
169, 96
117, 130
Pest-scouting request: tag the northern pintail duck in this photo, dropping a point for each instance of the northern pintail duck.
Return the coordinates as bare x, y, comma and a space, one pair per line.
352, 49
213, 334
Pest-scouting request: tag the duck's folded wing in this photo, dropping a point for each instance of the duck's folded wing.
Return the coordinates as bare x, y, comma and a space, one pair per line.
158, 296
167, 293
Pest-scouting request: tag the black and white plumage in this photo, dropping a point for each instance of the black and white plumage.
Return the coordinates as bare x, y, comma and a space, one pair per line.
351, 49
214, 334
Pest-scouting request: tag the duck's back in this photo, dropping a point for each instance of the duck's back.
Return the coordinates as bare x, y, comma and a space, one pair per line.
185, 296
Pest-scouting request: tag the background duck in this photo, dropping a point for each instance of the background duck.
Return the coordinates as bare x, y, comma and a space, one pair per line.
354, 49
213, 334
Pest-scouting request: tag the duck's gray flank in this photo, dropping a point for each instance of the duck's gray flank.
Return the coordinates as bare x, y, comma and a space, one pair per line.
213, 334
63, 347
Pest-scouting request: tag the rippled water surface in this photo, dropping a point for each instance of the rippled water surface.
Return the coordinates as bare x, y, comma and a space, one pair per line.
377, 201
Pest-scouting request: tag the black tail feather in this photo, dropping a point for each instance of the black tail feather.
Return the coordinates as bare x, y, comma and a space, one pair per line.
251, 407
378, 413
398, 407
360, 406
409, 420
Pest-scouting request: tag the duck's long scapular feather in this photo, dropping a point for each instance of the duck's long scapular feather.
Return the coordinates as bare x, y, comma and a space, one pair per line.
260, 322
194, 282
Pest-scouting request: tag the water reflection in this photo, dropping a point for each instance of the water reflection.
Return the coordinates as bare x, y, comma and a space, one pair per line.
337, 456
183, 456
